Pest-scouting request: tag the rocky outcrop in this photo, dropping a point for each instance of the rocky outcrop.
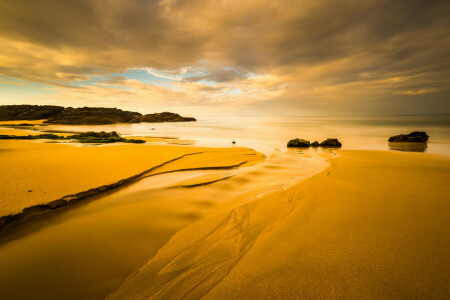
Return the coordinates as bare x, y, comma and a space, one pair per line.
304, 143
83, 115
298, 143
102, 137
28, 112
92, 116
86, 137
331, 143
413, 137
166, 117
46, 136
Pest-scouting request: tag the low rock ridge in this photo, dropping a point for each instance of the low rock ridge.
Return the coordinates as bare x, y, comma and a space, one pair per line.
301, 143
85, 137
413, 137
83, 115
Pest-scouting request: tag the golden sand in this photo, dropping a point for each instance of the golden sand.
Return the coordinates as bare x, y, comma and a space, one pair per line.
35, 173
372, 225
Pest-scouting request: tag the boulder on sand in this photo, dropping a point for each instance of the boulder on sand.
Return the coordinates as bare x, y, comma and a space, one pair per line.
315, 144
298, 143
413, 137
331, 143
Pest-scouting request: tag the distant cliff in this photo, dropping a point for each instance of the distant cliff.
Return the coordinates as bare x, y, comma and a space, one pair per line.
83, 115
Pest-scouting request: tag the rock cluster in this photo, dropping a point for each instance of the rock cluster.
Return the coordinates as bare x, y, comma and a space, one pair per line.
304, 143
86, 137
413, 137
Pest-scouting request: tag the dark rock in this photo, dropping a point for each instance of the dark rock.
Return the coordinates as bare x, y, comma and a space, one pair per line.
28, 112
35, 210
331, 143
102, 137
85, 137
233, 142
134, 141
32, 137
93, 116
413, 137
57, 203
6, 220
298, 143
315, 144
18, 125
166, 117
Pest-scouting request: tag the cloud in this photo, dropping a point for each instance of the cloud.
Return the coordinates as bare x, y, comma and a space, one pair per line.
300, 52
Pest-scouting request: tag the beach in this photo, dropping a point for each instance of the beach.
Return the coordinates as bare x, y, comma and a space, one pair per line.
167, 219
69, 169
172, 149
372, 225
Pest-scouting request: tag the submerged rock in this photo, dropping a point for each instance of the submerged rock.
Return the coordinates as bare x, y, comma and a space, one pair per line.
413, 137
331, 143
85, 137
298, 143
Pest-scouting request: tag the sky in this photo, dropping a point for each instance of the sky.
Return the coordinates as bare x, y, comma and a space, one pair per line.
229, 57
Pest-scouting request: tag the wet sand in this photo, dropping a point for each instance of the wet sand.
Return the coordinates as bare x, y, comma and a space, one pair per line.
37, 173
372, 225
88, 250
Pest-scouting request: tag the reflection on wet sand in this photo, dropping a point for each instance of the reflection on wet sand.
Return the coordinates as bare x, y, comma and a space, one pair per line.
412, 147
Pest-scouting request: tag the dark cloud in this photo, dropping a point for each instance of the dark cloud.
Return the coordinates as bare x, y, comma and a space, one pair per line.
398, 46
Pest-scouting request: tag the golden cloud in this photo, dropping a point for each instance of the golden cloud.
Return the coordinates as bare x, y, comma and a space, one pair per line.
296, 51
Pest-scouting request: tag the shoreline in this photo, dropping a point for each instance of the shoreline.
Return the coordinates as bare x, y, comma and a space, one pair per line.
311, 233
107, 167
35, 211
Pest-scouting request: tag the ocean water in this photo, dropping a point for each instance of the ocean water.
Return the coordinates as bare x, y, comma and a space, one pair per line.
267, 133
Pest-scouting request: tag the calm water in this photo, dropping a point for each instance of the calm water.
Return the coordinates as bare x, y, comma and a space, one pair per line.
267, 133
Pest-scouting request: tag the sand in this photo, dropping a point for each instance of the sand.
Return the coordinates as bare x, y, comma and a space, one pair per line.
36, 172
372, 225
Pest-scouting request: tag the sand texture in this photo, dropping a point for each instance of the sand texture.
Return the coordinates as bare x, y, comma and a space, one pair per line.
35, 173
372, 225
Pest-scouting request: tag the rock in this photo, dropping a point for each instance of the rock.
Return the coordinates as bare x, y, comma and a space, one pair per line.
413, 137
93, 116
35, 210
331, 143
166, 117
233, 142
298, 143
315, 144
85, 137
28, 112
134, 141
57, 203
